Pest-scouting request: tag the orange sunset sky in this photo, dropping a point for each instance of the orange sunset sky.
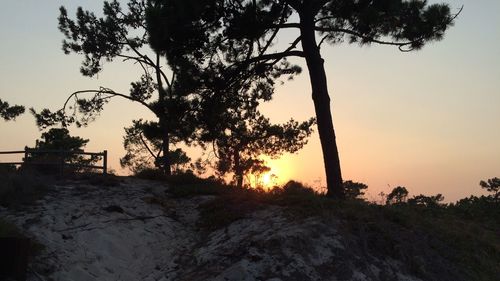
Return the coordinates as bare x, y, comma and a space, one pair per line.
427, 120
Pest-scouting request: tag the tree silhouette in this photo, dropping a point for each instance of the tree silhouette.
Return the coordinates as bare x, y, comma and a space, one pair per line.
8, 112
247, 31
354, 190
226, 100
492, 185
426, 201
121, 35
58, 140
143, 149
397, 196
239, 147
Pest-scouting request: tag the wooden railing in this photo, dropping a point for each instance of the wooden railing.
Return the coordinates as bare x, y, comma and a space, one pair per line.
59, 159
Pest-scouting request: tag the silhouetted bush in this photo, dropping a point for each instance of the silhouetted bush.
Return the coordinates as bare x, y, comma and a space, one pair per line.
426, 201
483, 208
98, 179
60, 148
397, 196
354, 190
150, 174
492, 186
21, 187
188, 185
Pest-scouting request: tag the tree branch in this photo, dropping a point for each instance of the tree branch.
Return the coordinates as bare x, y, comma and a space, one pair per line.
147, 146
108, 92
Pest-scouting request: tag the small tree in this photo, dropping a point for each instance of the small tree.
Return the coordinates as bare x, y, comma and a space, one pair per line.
8, 112
354, 190
239, 147
492, 185
59, 143
397, 196
143, 146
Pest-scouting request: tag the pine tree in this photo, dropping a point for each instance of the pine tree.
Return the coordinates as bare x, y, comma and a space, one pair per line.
247, 31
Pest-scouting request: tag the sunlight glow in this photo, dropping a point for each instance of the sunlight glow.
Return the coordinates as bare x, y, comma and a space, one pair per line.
269, 179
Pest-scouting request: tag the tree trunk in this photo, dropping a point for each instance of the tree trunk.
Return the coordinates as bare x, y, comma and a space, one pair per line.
317, 74
166, 165
237, 168
162, 116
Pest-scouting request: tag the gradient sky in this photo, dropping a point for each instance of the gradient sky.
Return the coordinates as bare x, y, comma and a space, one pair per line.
427, 120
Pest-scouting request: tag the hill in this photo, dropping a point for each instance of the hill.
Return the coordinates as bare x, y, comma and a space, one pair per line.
134, 229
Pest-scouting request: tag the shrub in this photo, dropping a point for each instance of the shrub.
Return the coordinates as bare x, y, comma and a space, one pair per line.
397, 196
150, 174
354, 190
492, 186
21, 188
426, 201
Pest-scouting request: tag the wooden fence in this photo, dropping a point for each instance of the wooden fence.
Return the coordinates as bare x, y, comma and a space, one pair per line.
59, 159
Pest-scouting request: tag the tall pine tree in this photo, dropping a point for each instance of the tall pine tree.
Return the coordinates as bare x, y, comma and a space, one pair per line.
247, 31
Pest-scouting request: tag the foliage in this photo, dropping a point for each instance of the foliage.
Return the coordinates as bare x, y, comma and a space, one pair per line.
120, 34
55, 144
189, 185
8, 112
492, 185
397, 196
426, 201
22, 187
143, 146
482, 209
354, 190
246, 31
239, 147
226, 99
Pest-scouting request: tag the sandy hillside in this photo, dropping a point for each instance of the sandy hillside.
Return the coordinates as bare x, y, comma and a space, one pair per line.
135, 231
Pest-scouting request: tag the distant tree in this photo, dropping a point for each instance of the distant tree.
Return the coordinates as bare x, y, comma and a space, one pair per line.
354, 190
8, 112
121, 35
248, 30
426, 201
397, 196
493, 186
55, 142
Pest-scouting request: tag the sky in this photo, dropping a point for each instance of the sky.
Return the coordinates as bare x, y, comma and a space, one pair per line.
427, 120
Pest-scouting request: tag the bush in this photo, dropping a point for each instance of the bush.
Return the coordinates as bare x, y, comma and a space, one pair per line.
397, 196
188, 185
354, 190
21, 187
150, 174
427, 201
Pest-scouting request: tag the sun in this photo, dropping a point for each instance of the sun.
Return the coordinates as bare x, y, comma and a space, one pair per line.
280, 171
267, 179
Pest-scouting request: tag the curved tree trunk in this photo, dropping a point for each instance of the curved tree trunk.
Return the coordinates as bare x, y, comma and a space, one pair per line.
315, 65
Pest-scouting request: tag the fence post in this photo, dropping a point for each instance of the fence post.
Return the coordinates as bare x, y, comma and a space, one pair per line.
105, 162
25, 154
